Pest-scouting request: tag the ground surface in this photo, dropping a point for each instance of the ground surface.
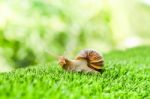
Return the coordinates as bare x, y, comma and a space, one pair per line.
126, 75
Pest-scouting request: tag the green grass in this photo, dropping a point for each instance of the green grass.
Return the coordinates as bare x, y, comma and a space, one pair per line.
126, 76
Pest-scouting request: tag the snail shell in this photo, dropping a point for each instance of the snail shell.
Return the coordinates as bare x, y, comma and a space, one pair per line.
94, 59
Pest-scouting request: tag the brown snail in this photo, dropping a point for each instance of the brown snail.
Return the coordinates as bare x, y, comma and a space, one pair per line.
86, 61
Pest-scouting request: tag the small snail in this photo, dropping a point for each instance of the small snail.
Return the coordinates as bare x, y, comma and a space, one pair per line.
87, 61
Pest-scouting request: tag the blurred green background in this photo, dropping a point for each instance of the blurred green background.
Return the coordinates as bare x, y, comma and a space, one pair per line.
31, 29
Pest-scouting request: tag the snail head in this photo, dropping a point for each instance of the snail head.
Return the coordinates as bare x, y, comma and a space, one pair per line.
62, 61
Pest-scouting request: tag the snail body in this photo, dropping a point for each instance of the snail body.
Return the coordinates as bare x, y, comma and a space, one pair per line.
86, 61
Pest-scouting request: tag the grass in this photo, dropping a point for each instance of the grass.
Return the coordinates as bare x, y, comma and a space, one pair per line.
126, 76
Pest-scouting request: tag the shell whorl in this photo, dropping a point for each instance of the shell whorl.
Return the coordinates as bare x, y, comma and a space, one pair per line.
94, 59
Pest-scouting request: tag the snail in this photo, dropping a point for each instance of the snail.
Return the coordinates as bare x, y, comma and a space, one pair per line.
86, 61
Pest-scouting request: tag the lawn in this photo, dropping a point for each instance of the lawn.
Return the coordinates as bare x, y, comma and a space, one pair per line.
126, 76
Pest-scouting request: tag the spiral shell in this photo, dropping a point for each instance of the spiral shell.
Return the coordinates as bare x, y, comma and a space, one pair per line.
94, 59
